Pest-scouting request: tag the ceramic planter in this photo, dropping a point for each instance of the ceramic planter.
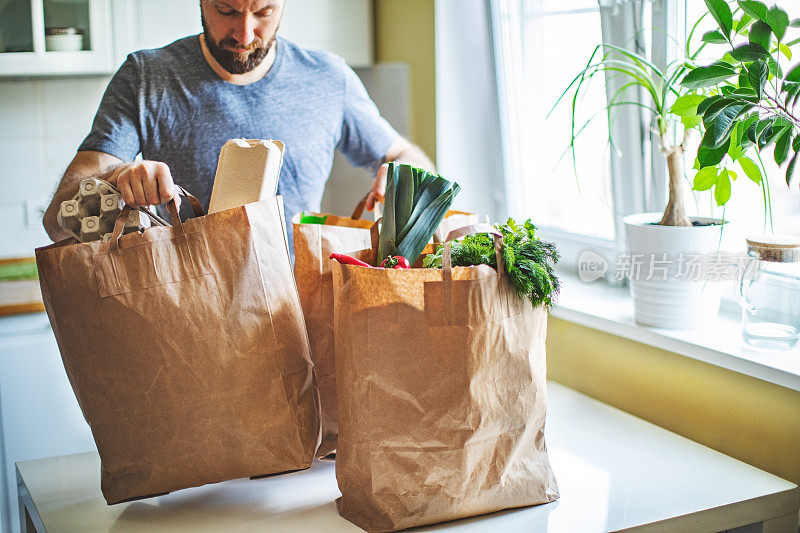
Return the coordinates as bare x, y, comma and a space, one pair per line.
668, 271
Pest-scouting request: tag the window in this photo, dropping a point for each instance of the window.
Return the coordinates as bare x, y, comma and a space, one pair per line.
540, 46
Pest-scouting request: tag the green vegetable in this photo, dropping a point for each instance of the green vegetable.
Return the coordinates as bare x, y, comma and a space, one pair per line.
528, 260
416, 202
307, 218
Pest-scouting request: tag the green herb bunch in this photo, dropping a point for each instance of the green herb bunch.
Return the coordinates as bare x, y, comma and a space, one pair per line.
528, 260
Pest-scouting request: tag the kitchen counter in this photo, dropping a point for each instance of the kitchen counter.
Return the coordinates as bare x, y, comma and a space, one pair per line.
614, 471
19, 296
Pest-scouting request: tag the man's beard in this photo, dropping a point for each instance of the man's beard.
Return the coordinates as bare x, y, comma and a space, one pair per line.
236, 62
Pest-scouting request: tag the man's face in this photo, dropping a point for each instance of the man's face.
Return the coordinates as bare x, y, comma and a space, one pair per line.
239, 33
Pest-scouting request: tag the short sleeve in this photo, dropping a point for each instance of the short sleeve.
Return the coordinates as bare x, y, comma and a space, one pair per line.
116, 125
366, 135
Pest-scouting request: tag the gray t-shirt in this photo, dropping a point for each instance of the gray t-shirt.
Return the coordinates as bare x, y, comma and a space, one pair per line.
169, 104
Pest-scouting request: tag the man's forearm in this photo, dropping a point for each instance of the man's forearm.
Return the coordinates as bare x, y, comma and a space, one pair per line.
411, 154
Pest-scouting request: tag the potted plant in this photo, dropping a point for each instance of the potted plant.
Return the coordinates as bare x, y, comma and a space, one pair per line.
683, 102
752, 96
660, 245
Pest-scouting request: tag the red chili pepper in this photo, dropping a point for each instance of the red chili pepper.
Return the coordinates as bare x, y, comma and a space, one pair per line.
395, 261
347, 260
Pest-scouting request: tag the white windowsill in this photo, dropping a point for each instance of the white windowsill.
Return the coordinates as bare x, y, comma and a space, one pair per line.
609, 309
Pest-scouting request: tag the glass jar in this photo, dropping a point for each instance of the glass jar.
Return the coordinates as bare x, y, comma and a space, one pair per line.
769, 292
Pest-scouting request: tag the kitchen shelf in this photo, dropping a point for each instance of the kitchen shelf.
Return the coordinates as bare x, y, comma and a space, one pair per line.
22, 27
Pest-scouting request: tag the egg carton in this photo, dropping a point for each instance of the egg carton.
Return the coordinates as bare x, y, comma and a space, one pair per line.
92, 212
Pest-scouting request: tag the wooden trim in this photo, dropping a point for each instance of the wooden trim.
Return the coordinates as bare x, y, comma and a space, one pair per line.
22, 309
16, 260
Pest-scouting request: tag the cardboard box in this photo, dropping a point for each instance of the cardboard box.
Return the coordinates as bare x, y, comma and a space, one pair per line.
247, 171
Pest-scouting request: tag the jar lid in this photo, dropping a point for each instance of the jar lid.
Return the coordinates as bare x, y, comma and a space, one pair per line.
775, 248
62, 30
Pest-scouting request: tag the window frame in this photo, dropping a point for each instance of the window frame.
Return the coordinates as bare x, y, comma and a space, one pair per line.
639, 179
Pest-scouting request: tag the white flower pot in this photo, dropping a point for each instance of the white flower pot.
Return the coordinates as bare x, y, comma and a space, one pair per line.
669, 272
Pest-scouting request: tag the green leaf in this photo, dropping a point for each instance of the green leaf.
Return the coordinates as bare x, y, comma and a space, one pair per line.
705, 178
785, 50
790, 170
708, 155
743, 131
726, 120
386, 240
793, 74
740, 25
686, 105
404, 196
416, 202
742, 80
757, 75
722, 14
782, 144
750, 131
764, 129
749, 52
422, 231
710, 114
431, 189
714, 37
754, 8
778, 20
744, 93
708, 102
691, 121
795, 23
708, 76
792, 89
796, 144
722, 189
761, 33
750, 169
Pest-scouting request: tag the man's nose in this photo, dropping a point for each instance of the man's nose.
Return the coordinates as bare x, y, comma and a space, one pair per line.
244, 31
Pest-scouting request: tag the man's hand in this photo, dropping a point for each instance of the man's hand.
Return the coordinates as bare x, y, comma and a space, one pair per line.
401, 151
141, 183
144, 183
378, 188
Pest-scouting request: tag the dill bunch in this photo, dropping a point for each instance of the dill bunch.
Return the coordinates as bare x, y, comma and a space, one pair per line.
529, 261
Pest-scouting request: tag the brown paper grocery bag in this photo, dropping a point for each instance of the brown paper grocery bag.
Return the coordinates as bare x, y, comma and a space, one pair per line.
186, 349
442, 395
313, 245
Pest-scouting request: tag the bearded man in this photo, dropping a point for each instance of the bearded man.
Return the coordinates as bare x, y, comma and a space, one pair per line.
179, 104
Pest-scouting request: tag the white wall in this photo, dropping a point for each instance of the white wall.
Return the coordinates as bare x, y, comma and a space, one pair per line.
42, 122
467, 119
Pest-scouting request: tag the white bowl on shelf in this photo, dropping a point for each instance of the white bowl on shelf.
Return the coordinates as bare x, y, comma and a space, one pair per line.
63, 40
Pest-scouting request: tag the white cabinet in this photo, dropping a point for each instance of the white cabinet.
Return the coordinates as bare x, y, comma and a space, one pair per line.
26, 51
343, 27
111, 29
140, 24
39, 415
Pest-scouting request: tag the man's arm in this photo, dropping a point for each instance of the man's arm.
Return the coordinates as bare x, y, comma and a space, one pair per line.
402, 151
141, 183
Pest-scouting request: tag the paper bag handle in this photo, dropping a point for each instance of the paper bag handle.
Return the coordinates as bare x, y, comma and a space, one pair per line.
447, 264
359, 210
172, 206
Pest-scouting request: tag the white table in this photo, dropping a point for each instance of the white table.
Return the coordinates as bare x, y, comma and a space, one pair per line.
615, 472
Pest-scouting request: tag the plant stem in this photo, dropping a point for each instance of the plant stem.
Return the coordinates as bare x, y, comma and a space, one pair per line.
765, 180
